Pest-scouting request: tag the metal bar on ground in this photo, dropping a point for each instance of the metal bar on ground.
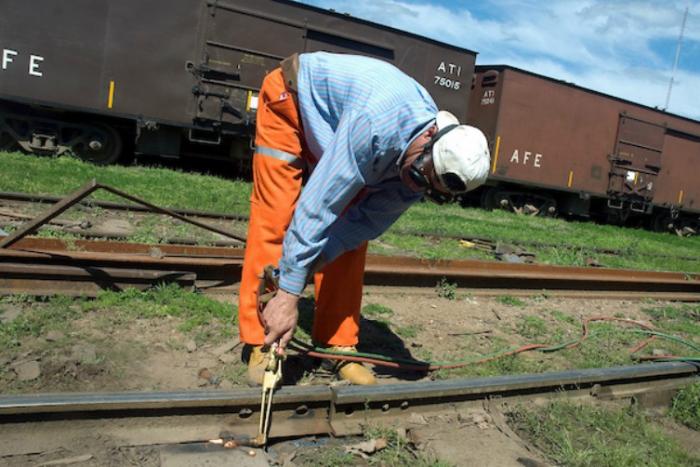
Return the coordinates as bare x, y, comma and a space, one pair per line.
174, 214
74, 198
85, 281
118, 206
51, 213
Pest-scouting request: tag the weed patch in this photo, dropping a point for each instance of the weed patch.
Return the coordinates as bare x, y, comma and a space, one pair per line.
510, 301
200, 315
575, 435
563, 317
446, 289
54, 313
374, 310
197, 312
686, 406
397, 452
532, 327
407, 332
683, 319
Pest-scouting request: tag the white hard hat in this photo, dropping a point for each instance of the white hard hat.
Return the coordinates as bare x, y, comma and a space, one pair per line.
461, 155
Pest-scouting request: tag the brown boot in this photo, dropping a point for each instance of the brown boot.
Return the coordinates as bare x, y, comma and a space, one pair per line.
355, 373
257, 362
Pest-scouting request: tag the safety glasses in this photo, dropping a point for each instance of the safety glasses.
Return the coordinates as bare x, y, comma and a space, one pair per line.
420, 169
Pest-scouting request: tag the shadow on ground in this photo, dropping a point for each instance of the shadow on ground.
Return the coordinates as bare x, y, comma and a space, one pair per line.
375, 337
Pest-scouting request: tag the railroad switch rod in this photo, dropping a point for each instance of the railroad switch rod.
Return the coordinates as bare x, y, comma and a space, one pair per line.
84, 192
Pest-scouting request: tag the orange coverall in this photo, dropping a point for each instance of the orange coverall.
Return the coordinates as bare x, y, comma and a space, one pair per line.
278, 165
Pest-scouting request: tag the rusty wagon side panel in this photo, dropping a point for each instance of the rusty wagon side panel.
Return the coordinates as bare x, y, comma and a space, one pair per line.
551, 135
247, 39
179, 76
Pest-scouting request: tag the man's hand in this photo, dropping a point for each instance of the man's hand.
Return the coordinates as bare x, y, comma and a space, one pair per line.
280, 316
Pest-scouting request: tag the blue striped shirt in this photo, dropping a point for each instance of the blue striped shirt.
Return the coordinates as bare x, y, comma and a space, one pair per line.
359, 115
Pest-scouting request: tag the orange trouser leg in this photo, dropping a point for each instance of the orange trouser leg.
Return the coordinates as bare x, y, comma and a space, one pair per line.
338, 299
276, 189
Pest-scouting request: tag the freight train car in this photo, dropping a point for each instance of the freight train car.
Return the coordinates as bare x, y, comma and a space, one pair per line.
177, 77
561, 148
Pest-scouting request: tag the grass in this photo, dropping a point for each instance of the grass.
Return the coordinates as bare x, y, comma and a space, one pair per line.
376, 311
397, 453
510, 301
407, 332
532, 327
163, 187
203, 318
686, 406
200, 316
565, 242
684, 318
570, 242
38, 316
575, 435
608, 344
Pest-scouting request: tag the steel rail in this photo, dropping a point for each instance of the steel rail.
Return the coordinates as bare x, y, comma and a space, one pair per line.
218, 270
492, 243
312, 410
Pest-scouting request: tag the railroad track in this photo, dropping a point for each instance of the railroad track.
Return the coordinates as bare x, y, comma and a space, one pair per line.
486, 243
29, 422
81, 267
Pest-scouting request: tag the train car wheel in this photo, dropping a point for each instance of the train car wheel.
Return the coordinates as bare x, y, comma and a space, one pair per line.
663, 222
548, 208
488, 198
7, 142
99, 144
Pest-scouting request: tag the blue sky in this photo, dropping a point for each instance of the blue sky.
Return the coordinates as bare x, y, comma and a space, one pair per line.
622, 48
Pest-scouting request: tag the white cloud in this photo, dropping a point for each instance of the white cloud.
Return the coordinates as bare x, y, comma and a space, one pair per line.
605, 45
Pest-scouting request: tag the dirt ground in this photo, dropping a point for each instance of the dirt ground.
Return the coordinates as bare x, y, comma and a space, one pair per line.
99, 352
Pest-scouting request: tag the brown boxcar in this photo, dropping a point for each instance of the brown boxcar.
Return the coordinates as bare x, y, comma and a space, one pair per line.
178, 76
558, 147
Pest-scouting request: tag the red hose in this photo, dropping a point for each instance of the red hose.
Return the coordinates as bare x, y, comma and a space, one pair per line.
307, 350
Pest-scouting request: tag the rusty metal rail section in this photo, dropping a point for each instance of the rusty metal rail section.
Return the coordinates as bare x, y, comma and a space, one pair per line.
90, 187
82, 267
190, 416
86, 273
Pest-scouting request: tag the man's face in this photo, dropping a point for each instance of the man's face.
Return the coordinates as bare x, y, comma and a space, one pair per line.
414, 151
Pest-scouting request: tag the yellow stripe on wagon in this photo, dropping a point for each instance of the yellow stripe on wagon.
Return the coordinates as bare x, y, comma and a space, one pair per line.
571, 178
110, 97
680, 197
495, 156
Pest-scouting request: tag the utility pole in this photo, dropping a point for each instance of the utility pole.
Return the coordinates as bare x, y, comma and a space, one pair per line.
678, 56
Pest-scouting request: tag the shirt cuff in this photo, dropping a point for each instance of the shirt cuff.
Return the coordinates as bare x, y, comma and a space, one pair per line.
292, 279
